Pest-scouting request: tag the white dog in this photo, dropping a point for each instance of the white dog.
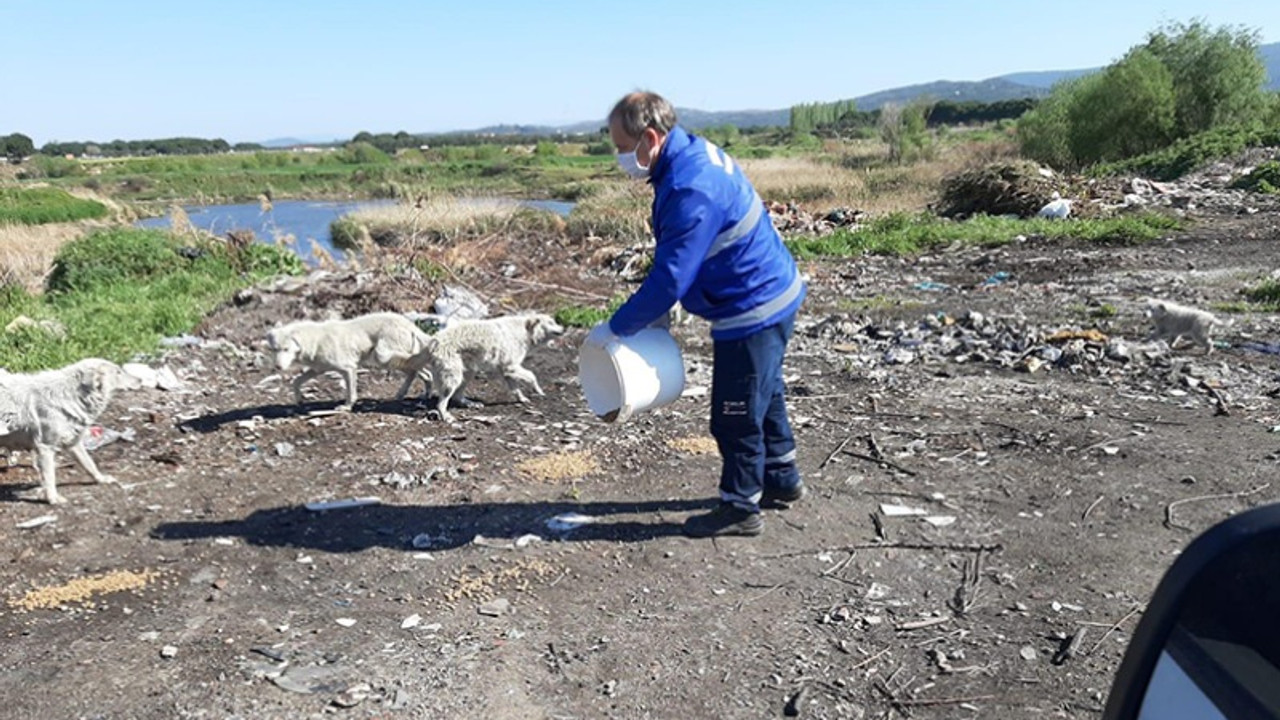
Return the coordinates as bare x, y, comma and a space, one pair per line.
54, 409
380, 340
492, 344
1171, 321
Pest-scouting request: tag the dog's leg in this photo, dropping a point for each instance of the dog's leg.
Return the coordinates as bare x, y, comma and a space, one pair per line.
83, 457
299, 381
522, 374
47, 463
349, 377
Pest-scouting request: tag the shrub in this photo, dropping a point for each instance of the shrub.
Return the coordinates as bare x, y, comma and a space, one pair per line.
1263, 179
110, 256
1186, 79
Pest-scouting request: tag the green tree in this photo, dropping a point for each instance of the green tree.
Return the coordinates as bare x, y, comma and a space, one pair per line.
1218, 75
16, 147
1125, 110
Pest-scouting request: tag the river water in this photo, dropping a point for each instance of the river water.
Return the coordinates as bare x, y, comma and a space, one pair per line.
307, 221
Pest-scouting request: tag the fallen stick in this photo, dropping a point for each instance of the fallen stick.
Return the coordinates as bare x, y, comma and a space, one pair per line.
835, 452
882, 461
925, 702
921, 624
870, 660
956, 547
1113, 628
1085, 516
1168, 509
1153, 421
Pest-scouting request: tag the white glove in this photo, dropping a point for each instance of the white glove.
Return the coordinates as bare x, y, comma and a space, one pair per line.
601, 335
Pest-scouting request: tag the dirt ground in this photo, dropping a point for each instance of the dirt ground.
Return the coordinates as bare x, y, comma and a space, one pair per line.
201, 586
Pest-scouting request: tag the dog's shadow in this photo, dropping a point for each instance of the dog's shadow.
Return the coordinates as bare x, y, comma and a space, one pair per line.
444, 527
408, 407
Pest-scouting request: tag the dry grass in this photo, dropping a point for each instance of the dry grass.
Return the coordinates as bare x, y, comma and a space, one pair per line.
856, 174
445, 217
560, 466
27, 251
814, 182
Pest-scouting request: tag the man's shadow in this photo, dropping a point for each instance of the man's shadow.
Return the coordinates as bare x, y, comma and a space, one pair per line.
445, 526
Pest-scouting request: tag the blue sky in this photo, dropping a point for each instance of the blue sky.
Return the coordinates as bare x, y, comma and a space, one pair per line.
254, 70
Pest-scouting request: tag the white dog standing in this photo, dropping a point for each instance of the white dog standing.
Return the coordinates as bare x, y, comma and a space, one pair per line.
492, 344
1171, 321
54, 409
379, 340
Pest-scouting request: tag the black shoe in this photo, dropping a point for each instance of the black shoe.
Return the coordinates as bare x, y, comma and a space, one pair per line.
779, 499
727, 519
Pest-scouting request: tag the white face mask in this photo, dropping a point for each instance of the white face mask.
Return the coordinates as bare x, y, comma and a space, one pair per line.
630, 164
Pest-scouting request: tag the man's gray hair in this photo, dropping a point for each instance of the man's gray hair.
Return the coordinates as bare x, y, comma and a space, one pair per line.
640, 110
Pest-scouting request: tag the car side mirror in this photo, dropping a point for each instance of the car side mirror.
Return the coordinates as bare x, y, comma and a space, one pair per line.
1208, 645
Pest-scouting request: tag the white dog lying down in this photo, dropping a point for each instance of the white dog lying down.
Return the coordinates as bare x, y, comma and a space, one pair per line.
1171, 321
54, 409
492, 344
384, 341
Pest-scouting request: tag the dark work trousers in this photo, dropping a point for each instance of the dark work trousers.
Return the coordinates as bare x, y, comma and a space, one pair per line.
749, 416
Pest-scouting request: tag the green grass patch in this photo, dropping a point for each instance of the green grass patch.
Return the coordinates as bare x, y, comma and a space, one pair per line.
908, 234
37, 206
1190, 153
117, 292
587, 316
1266, 294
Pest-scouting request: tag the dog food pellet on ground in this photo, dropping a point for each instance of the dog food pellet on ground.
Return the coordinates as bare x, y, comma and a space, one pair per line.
82, 589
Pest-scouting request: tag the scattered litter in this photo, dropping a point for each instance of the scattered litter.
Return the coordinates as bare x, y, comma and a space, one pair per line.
144, 374
183, 340
568, 522
526, 539
342, 504
353, 695
284, 449
695, 391
996, 279
930, 286
1028, 653
168, 651
346, 622
890, 510
99, 436
495, 544
411, 622
939, 520
495, 608
36, 522
877, 591
308, 679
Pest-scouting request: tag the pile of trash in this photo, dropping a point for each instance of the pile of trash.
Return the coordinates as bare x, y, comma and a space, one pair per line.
790, 218
1018, 188
978, 338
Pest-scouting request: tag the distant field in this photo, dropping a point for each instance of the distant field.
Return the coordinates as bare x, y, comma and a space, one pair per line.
40, 205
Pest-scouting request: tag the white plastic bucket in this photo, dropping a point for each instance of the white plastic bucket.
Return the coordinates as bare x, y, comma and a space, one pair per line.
631, 375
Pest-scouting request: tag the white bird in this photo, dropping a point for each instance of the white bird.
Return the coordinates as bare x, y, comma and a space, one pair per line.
1059, 208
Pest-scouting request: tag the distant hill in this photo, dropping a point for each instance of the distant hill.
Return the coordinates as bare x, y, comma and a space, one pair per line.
986, 91
1271, 58
689, 117
1012, 86
1046, 78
